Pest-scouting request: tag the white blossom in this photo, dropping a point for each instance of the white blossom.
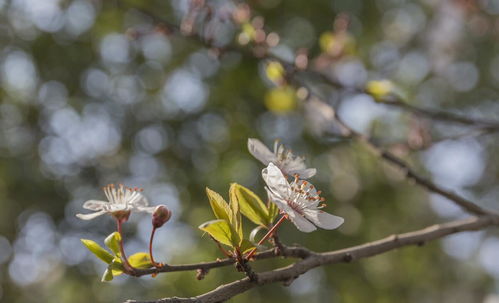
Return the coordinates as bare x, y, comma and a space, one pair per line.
299, 200
120, 199
283, 158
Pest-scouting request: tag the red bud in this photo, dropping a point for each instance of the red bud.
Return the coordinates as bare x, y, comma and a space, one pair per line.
160, 216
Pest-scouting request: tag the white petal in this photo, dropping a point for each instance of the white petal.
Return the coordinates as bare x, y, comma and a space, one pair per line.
94, 205
91, 215
118, 207
278, 200
304, 173
140, 201
301, 223
147, 209
323, 219
260, 151
276, 181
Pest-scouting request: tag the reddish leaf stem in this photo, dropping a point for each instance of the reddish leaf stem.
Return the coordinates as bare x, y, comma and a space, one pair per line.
267, 236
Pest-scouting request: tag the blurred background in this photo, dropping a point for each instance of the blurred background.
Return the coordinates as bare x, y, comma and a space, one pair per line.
96, 92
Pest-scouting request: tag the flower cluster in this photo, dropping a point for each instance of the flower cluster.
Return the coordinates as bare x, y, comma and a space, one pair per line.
299, 200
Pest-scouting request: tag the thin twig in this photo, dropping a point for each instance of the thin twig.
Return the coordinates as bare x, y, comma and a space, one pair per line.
419, 237
464, 203
289, 252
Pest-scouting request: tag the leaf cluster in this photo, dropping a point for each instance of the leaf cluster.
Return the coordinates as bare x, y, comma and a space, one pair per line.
227, 228
113, 257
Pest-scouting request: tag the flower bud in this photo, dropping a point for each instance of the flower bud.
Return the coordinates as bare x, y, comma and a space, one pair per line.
160, 216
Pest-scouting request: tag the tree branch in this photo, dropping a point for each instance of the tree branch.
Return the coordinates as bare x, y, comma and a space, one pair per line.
463, 203
291, 272
288, 252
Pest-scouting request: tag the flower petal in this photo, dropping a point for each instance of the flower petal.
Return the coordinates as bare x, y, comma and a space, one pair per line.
323, 219
278, 200
276, 181
91, 215
146, 209
140, 201
304, 173
301, 223
94, 205
260, 151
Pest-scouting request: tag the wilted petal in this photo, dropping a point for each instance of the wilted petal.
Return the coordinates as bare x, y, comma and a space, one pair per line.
91, 215
323, 219
94, 205
260, 151
276, 181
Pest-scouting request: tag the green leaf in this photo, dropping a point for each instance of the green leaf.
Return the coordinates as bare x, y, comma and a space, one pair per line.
273, 212
246, 246
113, 242
236, 213
221, 231
97, 250
140, 260
117, 267
220, 208
108, 275
252, 206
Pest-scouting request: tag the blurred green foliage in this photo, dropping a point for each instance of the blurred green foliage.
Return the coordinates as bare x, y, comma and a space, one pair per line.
97, 92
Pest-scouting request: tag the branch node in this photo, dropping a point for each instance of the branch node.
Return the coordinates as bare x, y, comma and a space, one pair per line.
289, 281
201, 273
347, 258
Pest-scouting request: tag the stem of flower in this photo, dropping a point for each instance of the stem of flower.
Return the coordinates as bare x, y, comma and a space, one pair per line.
157, 265
267, 236
127, 264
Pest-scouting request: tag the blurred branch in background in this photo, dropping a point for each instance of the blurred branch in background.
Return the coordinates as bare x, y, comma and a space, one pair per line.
163, 94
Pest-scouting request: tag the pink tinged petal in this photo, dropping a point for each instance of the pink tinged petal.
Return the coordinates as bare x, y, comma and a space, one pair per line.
91, 215
323, 219
260, 151
301, 223
276, 181
95, 205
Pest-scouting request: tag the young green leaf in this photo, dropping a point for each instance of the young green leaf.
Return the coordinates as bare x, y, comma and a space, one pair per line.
255, 231
251, 206
220, 208
97, 250
273, 212
236, 213
221, 231
113, 242
246, 246
140, 260
108, 275
117, 267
